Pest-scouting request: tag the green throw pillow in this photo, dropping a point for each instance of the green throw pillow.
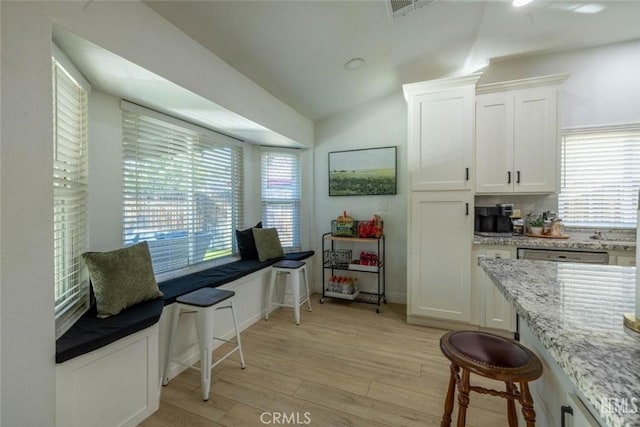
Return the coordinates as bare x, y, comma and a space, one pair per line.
267, 243
121, 278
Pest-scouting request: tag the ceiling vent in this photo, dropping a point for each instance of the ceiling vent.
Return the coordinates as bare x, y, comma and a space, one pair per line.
399, 8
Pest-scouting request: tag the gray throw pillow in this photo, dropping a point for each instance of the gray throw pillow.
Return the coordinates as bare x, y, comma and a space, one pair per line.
267, 243
121, 278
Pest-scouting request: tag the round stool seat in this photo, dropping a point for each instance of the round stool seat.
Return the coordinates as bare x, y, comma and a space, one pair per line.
491, 356
494, 357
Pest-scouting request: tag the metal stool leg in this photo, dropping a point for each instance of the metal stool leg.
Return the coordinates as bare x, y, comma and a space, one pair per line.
235, 325
295, 283
272, 284
204, 330
172, 343
306, 284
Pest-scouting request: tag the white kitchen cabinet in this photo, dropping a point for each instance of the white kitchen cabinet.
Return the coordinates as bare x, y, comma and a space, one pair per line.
441, 133
517, 136
498, 312
440, 238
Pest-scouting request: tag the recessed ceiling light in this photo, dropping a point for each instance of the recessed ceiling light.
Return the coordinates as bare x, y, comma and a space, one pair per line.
353, 64
519, 3
590, 8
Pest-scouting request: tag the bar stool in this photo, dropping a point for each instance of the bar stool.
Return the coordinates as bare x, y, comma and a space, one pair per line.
293, 270
494, 357
203, 303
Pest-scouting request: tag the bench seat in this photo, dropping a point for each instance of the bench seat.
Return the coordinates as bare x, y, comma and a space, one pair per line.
90, 333
218, 276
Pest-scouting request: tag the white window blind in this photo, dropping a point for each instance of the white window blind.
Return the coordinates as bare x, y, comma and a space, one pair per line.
281, 189
600, 177
69, 197
183, 190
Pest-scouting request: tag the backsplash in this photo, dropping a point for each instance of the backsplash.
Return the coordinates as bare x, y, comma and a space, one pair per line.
536, 203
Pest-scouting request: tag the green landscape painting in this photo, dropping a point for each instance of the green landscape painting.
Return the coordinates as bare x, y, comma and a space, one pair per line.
362, 172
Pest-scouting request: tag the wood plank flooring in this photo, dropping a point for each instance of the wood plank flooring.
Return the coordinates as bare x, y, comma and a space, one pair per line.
344, 365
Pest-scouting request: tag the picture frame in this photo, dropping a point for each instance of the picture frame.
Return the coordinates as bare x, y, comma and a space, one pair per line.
363, 172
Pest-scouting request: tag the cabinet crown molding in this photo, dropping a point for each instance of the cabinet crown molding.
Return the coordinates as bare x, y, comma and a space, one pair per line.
437, 85
549, 80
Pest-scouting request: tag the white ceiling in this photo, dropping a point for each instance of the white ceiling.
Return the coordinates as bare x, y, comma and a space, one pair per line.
296, 50
117, 76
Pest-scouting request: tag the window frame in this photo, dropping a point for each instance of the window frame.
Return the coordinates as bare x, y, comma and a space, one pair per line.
201, 137
70, 191
627, 207
296, 233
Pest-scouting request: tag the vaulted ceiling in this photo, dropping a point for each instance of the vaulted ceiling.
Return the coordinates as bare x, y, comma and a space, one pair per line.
297, 50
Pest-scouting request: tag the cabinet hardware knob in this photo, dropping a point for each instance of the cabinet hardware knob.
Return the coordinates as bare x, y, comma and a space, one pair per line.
518, 178
467, 209
563, 411
508, 177
466, 171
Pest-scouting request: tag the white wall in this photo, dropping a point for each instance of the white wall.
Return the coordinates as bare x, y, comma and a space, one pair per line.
134, 32
105, 172
603, 86
381, 123
28, 348
0, 226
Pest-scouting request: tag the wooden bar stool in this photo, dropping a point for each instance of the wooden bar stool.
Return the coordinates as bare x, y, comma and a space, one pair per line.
204, 303
294, 270
494, 357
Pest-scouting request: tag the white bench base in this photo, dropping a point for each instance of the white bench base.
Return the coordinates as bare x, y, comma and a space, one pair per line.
116, 385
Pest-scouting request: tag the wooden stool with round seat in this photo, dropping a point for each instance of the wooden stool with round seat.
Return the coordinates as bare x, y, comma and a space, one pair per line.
494, 357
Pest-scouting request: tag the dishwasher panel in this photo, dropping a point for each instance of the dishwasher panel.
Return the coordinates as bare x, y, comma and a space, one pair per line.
584, 257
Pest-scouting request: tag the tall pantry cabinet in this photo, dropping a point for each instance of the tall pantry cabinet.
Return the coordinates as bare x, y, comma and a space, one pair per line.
441, 181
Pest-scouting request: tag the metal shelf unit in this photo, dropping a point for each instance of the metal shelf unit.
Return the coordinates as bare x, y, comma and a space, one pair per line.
329, 243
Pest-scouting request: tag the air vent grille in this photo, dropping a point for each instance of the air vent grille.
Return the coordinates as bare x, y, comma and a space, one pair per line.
396, 5
399, 8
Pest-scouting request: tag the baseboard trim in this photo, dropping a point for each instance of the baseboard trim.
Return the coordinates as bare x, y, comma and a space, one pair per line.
441, 324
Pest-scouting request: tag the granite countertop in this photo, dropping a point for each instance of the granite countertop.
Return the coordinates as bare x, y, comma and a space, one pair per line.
576, 312
576, 240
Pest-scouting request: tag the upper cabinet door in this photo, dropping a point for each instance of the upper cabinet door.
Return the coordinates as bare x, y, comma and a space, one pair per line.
441, 134
494, 143
536, 140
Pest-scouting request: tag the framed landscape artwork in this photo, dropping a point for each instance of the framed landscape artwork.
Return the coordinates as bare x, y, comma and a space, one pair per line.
365, 172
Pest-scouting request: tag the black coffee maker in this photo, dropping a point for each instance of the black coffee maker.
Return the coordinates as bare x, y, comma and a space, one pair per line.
494, 219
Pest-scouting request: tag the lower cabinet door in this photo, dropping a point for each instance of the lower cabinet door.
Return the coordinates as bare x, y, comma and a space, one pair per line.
575, 414
498, 312
440, 238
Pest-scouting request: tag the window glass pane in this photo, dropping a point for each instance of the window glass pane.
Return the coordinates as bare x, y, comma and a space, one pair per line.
281, 195
69, 198
182, 191
600, 178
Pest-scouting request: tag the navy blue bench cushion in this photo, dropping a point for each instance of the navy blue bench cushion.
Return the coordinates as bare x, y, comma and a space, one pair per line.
91, 333
219, 275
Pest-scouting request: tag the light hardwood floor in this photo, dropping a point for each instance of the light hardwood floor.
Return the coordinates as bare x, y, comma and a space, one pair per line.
344, 365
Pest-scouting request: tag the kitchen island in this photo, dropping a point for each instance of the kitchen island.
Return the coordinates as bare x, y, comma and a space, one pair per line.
575, 312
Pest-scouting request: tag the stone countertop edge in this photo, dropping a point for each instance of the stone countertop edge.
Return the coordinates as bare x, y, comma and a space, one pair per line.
582, 355
573, 242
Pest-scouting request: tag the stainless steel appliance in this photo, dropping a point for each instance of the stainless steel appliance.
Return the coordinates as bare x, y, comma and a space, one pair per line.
585, 257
